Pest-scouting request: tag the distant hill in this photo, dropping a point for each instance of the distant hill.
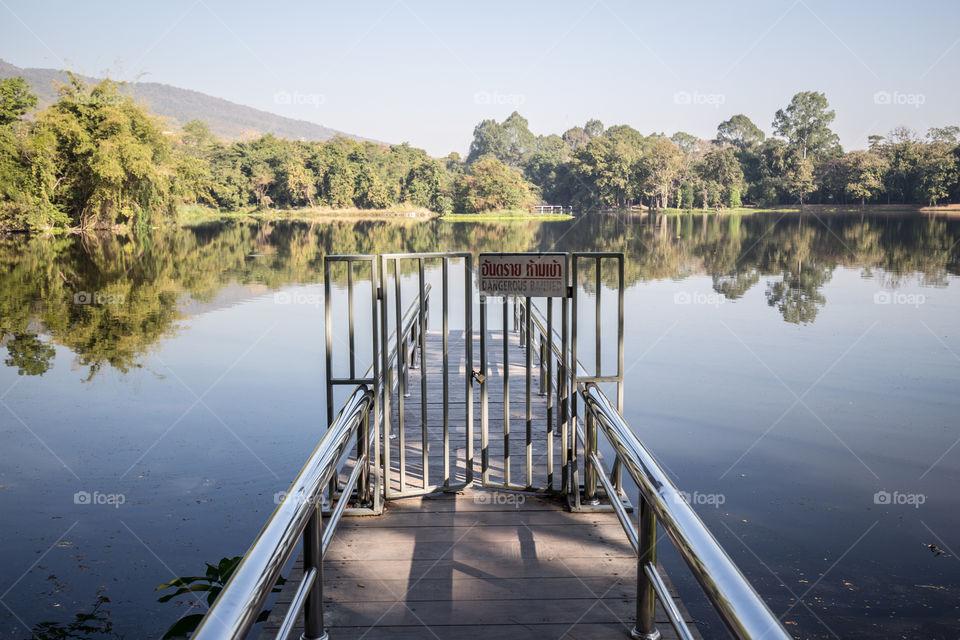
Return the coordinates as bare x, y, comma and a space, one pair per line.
226, 119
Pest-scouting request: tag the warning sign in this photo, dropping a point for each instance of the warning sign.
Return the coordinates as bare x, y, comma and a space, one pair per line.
523, 274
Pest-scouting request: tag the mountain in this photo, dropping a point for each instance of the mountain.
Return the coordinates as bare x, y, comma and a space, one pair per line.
228, 120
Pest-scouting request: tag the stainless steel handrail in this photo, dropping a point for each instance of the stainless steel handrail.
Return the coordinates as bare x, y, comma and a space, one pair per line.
741, 608
236, 609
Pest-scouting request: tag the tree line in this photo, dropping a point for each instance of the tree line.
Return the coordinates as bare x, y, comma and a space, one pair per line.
97, 159
592, 167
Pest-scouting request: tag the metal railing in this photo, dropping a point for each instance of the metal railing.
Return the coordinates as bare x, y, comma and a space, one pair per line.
300, 514
416, 332
236, 609
738, 604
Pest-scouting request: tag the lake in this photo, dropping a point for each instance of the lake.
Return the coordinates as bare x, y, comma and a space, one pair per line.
796, 374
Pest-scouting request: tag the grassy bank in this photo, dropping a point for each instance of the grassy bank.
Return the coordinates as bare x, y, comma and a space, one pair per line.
193, 214
502, 215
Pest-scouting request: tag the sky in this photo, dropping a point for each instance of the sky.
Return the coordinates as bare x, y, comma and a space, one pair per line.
428, 72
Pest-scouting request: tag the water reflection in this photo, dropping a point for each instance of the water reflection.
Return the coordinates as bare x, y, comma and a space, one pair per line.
108, 298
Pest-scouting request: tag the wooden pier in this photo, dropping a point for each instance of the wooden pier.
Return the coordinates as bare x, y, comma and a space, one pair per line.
475, 562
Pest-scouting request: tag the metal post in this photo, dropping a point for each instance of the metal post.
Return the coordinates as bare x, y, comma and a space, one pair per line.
403, 386
424, 437
599, 322
328, 356
484, 421
618, 468
646, 629
468, 347
543, 364
549, 391
350, 333
506, 395
363, 442
563, 393
527, 334
313, 559
376, 498
572, 395
387, 369
589, 470
446, 381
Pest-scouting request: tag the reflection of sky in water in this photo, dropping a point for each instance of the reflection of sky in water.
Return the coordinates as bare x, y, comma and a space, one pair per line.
222, 411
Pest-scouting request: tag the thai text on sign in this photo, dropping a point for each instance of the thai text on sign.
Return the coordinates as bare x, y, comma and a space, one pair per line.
523, 274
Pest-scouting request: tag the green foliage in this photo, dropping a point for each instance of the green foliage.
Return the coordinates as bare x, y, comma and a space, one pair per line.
95, 159
805, 123
865, 172
109, 161
740, 131
733, 199
15, 99
489, 185
510, 142
211, 584
686, 196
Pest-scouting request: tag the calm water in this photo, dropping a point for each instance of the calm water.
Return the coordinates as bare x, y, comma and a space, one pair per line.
797, 376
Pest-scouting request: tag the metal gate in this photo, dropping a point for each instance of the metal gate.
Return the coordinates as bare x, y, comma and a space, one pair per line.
423, 374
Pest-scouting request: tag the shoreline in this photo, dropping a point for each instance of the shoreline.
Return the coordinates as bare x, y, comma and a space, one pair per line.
193, 215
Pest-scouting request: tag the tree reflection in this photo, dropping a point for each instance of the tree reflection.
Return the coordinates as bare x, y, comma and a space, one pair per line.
110, 299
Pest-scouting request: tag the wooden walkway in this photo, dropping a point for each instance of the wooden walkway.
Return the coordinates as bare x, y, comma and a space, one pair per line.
476, 562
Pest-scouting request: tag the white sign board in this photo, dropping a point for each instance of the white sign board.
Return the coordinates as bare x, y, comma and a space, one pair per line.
523, 274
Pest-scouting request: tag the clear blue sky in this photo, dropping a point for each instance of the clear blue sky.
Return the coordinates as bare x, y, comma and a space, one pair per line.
427, 72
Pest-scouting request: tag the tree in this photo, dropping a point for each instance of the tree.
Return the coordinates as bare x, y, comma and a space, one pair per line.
660, 168
575, 137
510, 142
798, 177
938, 172
15, 99
865, 173
733, 199
805, 123
111, 156
949, 135
722, 167
593, 128
687, 142
489, 185
739, 131
686, 196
